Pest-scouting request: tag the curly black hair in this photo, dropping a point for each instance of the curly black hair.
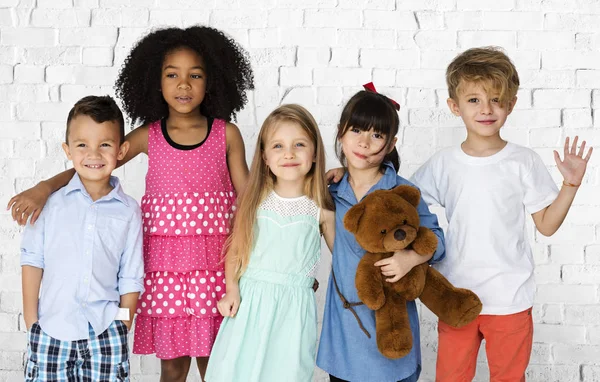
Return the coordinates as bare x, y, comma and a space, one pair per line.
229, 73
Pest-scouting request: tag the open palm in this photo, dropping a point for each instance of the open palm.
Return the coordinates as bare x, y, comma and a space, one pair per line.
573, 165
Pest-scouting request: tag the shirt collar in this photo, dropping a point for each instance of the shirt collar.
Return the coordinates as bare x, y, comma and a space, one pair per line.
389, 179
387, 182
116, 193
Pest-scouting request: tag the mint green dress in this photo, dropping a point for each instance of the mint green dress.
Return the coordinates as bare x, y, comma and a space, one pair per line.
273, 337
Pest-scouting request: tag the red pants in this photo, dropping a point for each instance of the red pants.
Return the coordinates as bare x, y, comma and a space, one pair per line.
508, 341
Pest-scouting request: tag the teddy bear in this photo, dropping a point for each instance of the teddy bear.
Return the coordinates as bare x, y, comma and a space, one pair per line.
386, 221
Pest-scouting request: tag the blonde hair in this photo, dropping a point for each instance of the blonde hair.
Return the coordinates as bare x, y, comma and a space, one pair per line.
488, 66
261, 181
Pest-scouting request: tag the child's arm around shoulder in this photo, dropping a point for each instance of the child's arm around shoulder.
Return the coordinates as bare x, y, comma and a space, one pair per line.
31, 201
131, 265
138, 143
573, 166
236, 158
327, 224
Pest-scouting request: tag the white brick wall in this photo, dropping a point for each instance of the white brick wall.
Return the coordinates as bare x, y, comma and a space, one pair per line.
318, 53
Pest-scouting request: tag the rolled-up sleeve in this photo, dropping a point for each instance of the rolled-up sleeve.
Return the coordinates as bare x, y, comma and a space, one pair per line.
430, 221
32, 243
131, 267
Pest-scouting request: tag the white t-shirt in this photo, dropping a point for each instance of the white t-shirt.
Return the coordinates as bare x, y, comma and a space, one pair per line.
487, 202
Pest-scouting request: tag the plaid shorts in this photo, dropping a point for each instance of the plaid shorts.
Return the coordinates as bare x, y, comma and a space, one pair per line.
100, 358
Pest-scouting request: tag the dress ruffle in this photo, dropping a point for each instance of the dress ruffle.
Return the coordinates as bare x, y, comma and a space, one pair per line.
188, 213
183, 253
177, 337
176, 294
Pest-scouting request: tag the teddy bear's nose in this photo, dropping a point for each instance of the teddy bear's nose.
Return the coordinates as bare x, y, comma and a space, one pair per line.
400, 235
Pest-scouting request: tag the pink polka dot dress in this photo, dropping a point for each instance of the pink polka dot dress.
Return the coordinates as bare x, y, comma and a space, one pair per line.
186, 210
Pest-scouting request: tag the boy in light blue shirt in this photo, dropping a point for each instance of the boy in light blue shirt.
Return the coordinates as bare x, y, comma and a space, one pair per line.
85, 250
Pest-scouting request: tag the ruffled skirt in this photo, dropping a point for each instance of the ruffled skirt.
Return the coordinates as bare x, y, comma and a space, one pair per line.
177, 313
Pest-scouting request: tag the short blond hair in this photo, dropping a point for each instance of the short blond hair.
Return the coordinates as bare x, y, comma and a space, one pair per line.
488, 66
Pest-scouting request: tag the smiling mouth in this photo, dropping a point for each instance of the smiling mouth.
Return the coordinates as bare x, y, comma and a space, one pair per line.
184, 99
360, 156
94, 166
290, 165
487, 122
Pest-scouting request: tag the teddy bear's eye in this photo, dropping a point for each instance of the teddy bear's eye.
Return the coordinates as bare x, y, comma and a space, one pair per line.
404, 222
383, 231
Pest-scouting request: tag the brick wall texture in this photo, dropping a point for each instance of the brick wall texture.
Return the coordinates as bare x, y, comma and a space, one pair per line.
318, 53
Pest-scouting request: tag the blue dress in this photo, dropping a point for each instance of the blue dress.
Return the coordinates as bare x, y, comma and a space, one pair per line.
344, 350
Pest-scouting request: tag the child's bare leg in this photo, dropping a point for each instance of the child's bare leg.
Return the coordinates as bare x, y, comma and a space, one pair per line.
202, 363
174, 370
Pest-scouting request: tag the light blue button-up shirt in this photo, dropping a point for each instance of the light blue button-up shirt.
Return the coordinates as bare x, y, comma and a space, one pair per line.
344, 350
91, 254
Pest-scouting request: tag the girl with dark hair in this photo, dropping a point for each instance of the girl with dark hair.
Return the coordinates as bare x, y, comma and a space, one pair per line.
365, 145
366, 111
182, 85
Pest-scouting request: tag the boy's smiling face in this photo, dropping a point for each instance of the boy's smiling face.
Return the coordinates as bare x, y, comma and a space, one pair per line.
480, 109
94, 148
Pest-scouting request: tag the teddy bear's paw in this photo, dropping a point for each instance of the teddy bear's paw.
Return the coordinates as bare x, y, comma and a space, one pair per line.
373, 299
393, 354
394, 346
471, 308
426, 242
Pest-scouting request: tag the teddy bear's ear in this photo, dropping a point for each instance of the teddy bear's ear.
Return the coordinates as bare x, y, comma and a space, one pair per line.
352, 217
411, 194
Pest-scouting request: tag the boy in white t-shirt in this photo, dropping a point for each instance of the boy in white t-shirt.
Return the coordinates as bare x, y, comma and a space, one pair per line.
488, 187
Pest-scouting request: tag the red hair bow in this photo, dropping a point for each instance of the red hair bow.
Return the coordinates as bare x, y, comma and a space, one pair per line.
371, 88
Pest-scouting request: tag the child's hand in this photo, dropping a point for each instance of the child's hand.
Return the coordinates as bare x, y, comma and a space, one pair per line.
29, 203
228, 305
335, 175
398, 265
573, 166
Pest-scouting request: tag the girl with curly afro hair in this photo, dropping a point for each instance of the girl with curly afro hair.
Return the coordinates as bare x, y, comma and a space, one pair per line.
227, 73
182, 86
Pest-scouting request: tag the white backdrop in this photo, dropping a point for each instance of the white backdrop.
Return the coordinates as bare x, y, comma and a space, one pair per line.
318, 53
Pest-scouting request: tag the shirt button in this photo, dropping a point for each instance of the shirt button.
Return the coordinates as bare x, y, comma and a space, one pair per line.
90, 227
85, 280
84, 304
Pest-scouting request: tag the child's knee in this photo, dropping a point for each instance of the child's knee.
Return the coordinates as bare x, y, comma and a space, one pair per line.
174, 369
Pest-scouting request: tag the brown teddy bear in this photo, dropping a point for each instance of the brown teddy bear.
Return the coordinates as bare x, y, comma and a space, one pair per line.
386, 221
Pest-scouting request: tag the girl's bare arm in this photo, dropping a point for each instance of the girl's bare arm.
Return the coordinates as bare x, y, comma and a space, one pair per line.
236, 158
